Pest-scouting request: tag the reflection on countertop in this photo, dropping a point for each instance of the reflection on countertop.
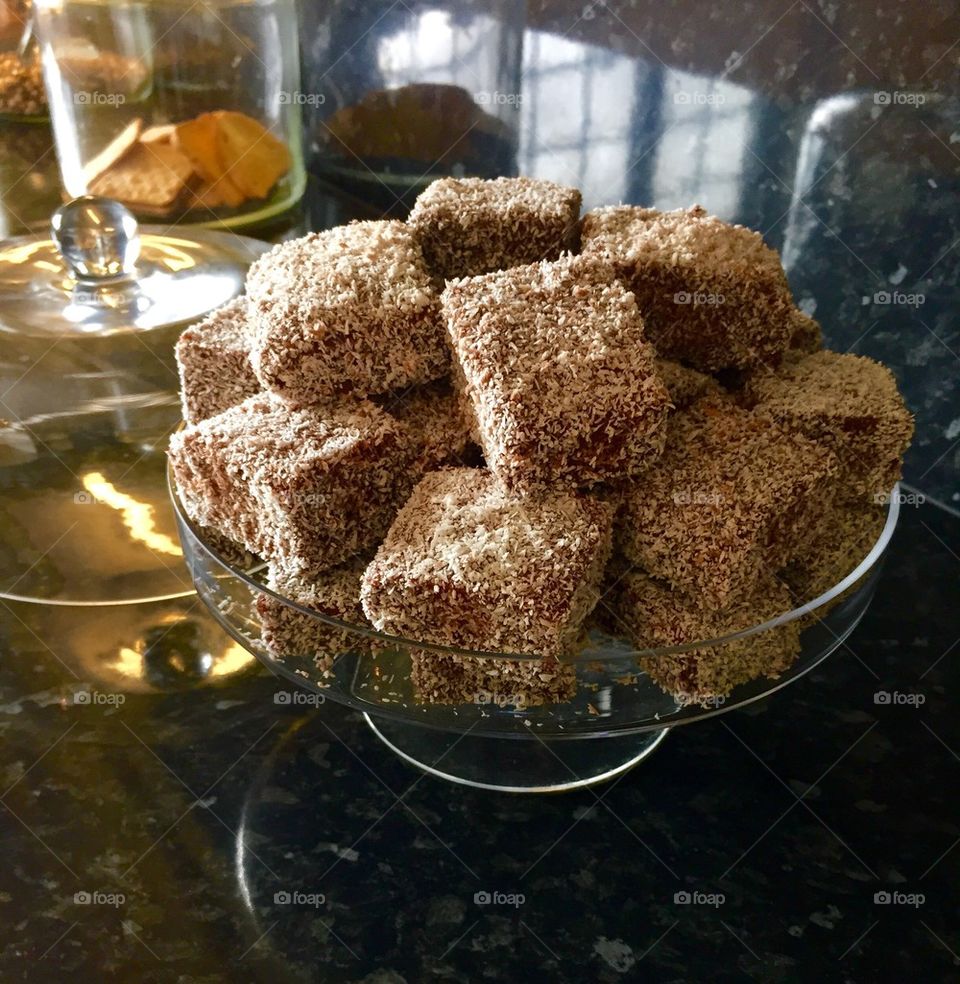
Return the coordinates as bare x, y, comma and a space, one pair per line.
230, 833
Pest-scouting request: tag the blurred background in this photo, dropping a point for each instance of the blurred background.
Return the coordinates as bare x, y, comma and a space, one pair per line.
833, 129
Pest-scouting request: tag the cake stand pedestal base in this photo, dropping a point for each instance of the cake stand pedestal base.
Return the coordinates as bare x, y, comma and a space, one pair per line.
526, 764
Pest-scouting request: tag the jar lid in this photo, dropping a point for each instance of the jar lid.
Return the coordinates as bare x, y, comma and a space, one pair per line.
88, 396
99, 274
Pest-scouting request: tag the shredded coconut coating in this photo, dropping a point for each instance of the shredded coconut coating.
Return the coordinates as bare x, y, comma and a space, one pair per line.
438, 423
442, 679
556, 366
713, 295
336, 593
349, 310
467, 565
468, 226
847, 403
685, 385
807, 336
459, 381
213, 357
845, 537
306, 487
233, 553
733, 496
656, 617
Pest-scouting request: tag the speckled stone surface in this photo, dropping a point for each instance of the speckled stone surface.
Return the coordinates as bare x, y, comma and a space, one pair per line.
185, 816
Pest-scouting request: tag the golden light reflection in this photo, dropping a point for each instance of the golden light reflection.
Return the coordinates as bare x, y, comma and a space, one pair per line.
128, 662
18, 255
233, 659
176, 258
136, 516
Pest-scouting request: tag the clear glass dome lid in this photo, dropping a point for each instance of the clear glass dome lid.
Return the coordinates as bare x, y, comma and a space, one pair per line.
99, 274
89, 316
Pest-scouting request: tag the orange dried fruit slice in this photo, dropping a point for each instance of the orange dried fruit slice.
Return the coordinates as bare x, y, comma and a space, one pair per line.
217, 194
250, 154
197, 138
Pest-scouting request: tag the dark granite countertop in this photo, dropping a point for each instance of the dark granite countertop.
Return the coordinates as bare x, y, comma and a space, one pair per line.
152, 832
183, 815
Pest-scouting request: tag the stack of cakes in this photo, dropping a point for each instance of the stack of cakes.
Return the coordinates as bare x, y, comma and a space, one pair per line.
473, 427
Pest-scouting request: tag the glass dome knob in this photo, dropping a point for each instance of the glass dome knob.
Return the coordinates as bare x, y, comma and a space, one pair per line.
97, 238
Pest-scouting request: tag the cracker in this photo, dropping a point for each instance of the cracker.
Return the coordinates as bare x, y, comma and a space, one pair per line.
161, 133
153, 176
114, 151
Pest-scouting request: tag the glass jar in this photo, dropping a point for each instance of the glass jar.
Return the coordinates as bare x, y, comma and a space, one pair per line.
183, 111
21, 83
90, 565
399, 94
89, 314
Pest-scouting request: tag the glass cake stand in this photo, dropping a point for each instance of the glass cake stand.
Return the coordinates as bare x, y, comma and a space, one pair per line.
617, 717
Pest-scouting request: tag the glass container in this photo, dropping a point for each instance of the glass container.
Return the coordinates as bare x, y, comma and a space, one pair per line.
616, 717
183, 111
89, 315
399, 94
22, 97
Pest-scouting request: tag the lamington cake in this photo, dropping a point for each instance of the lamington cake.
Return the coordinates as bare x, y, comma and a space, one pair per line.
349, 310
807, 336
556, 367
847, 535
286, 632
656, 617
685, 385
439, 678
714, 295
306, 487
663, 376
733, 496
464, 564
847, 403
468, 226
213, 358
438, 422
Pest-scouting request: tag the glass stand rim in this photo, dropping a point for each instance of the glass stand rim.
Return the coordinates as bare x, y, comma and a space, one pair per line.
535, 766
